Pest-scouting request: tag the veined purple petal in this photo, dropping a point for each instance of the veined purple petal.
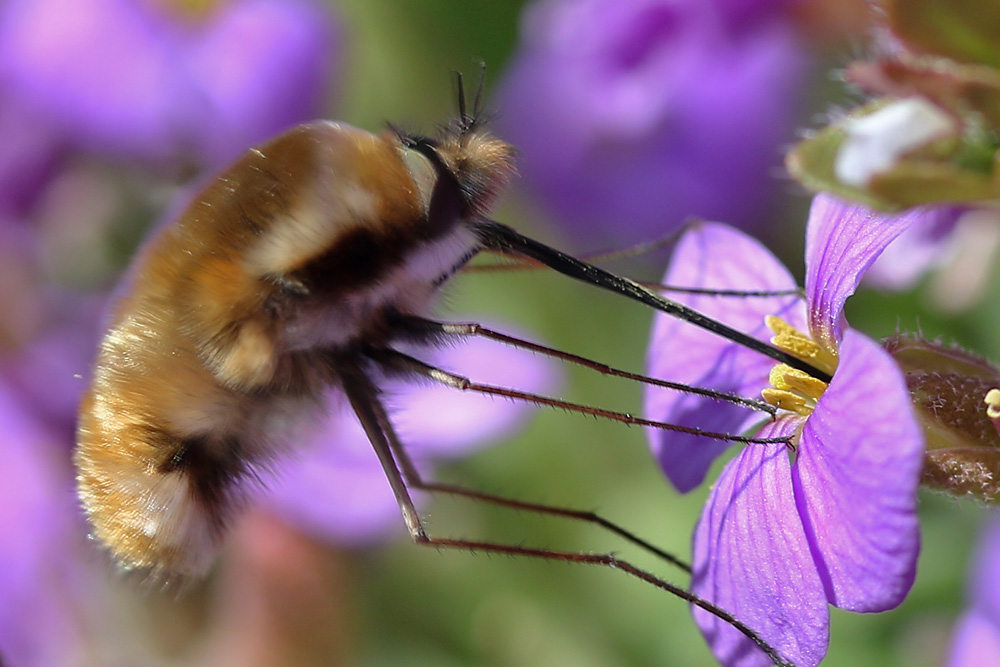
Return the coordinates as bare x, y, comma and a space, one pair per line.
856, 479
714, 256
917, 250
753, 559
842, 241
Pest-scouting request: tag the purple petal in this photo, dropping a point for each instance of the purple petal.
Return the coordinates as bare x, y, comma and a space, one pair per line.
856, 478
29, 156
984, 582
135, 80
624, 113
842, 241
261, 66
36, 511
978, 631
752, 558
715, 256
916, 251
976, 637
100, 69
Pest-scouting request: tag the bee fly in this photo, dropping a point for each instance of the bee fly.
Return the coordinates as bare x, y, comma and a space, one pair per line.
303, 266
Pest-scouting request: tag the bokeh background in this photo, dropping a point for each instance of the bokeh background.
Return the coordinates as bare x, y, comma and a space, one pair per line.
630, 117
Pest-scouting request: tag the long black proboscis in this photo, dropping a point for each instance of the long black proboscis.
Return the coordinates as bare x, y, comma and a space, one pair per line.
503, 239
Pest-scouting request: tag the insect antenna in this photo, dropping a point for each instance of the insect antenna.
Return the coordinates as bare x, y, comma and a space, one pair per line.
363, 396
469, 122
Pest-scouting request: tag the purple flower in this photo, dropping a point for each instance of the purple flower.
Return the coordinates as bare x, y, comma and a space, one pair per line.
917, 250
334, 486
978, 631
633, 116
30, 152
154, 82
782, 536
38, 623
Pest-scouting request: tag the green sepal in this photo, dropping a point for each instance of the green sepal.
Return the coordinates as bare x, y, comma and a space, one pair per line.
963, 30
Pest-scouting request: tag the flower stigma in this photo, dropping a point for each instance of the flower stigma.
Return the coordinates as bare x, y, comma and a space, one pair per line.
792, 389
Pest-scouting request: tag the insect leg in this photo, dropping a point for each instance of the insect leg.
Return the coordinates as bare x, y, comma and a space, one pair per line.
363, 396
423, 328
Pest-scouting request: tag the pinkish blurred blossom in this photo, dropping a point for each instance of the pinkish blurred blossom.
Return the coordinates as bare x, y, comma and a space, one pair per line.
632, 116
159, 83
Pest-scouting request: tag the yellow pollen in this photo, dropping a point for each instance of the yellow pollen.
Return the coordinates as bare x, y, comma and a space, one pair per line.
792, 389
992, 402
786, 400
799, 345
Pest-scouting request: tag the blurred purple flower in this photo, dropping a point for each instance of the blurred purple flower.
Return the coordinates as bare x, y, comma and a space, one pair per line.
632, 116
160, 83
38, 624
30, 152
334, 486
779, 539
977, 634
49, 372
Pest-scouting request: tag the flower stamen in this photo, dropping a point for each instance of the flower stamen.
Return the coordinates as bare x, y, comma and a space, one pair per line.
792, 389
800, 345
992, 402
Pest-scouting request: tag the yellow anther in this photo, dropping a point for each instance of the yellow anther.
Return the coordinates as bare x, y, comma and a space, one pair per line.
792, 389
777, 377
800, 345
786, 400
804, 383
992, 402
779, 326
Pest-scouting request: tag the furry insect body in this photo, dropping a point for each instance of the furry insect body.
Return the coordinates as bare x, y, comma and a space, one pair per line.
242, 311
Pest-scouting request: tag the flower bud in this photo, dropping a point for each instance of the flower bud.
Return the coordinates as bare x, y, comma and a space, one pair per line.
949, 388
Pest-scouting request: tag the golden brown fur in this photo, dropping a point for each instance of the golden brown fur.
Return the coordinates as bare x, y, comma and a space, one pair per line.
237, 314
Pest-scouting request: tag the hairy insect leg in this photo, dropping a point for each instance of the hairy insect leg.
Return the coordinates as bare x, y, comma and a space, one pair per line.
403, 364
423, 328
414, 480
363, 396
